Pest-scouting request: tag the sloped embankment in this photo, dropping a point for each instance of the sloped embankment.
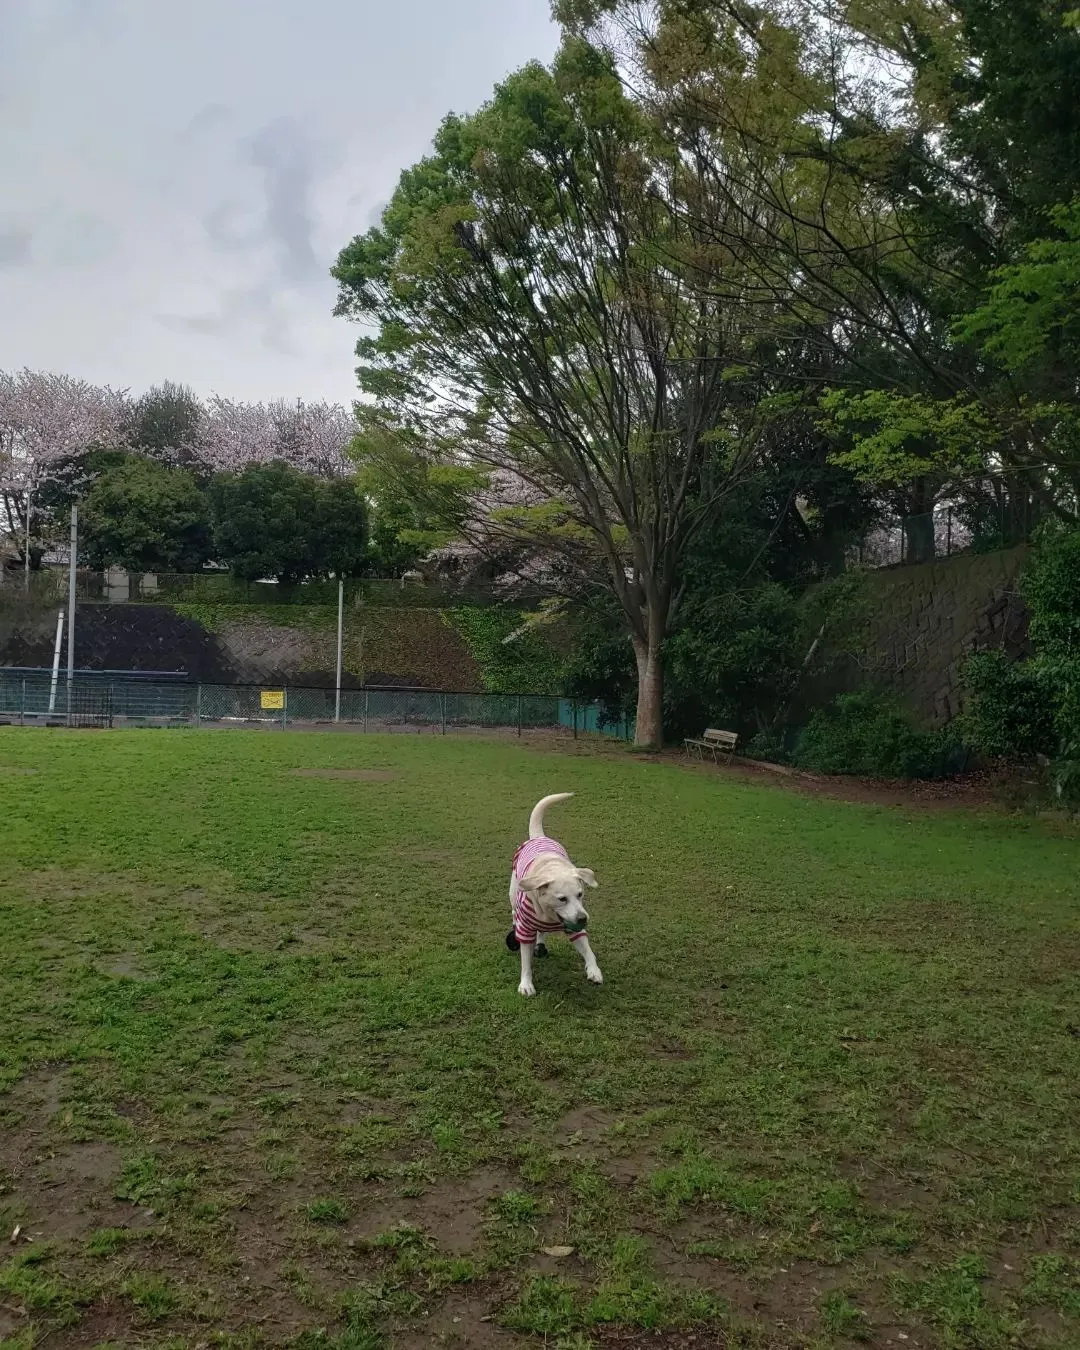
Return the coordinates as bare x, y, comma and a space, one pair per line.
282, 644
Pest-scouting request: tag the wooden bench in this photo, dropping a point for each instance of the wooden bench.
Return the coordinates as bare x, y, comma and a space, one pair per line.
713, 741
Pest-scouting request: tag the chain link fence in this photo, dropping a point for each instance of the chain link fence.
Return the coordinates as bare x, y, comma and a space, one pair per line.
125, 698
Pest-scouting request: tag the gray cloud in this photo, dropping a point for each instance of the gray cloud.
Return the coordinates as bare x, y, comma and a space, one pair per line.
15, 241
209, 118
288, 162
233, 227
196, 168
238, 308
78, 238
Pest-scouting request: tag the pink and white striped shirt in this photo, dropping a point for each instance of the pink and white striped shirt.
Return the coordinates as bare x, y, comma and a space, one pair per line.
527, 923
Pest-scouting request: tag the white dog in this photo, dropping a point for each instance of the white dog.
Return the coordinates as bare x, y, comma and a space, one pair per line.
545, 897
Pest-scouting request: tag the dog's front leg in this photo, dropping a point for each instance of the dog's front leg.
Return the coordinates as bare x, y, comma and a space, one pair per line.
592, 970
526, 988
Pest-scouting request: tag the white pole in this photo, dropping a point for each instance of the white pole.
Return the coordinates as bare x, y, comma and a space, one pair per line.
340, 616
26, 551
56, 661
71, 603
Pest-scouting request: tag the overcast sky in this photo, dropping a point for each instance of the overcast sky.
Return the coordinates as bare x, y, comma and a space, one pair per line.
177, 176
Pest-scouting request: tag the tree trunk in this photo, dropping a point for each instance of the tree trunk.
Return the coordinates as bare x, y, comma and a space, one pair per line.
920, 544
649, 728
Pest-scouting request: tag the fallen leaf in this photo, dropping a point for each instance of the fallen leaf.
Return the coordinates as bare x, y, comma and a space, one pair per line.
557, 1251
15, 1235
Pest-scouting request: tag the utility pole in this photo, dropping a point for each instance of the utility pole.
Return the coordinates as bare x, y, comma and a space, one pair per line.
71, 605
340, 618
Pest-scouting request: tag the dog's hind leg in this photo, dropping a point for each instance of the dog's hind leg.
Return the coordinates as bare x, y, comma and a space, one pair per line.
592, 970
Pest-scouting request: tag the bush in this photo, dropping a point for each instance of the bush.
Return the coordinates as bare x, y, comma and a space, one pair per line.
771, 745
1010, 711
863, 733
734, 658
1051, 586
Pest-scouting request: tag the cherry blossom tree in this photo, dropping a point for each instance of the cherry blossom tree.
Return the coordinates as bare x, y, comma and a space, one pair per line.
312, 437
47, 423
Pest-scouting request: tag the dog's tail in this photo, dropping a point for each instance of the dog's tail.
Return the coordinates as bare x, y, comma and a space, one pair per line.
536, 820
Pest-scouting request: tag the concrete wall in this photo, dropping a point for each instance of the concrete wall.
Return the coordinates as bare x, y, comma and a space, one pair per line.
925, 620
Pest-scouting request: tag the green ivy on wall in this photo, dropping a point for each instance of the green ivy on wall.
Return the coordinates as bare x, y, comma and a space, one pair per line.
514, 655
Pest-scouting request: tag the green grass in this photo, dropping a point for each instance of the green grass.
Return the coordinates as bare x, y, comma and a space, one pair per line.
264, 1071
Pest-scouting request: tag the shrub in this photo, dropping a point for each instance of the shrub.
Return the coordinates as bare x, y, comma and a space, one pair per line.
1010, 711
771, 745
1051, 586
863, 733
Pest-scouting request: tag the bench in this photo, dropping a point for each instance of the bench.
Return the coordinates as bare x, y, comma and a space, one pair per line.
713, 741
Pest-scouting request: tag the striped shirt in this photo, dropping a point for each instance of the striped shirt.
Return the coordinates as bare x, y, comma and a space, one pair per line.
527, 923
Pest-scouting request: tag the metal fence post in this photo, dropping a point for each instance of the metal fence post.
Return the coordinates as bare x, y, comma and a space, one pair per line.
285, 709
22, 709
366, 695
575, 719
442, 712
198, 705
519, 713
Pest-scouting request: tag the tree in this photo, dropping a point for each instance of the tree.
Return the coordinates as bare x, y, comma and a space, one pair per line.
47, 424
537, 306
271, 520
167, 423
146, 517
312, 437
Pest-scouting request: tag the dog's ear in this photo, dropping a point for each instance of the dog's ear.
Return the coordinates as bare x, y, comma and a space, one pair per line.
588, 877
534, 886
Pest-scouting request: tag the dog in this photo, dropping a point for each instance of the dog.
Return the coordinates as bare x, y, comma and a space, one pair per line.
546, 890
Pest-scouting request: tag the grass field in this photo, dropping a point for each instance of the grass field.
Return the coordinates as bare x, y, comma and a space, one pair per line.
265, 1077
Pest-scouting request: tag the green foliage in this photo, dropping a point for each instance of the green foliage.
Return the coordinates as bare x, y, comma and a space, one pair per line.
1010, 709
600, 667
1051, 587
1033, 306
864, 733
734, 659
165, 423
895, 439
146, 517
274, 521
515, 651
415, 505
1034, 707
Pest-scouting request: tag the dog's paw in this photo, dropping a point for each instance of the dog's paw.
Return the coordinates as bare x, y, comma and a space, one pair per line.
527, 989
594, 976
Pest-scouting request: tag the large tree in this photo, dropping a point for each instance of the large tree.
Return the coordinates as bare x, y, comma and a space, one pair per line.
538, 309
48, 424
274, 521
147, 517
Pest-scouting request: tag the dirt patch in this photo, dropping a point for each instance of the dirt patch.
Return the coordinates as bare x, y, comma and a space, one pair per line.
57, 1190
584, 1125
460, 1323
450, 1212
124, 968
354, 775
707, 1338
972, 790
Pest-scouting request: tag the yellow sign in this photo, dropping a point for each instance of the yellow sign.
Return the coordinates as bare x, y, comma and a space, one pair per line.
272, 699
